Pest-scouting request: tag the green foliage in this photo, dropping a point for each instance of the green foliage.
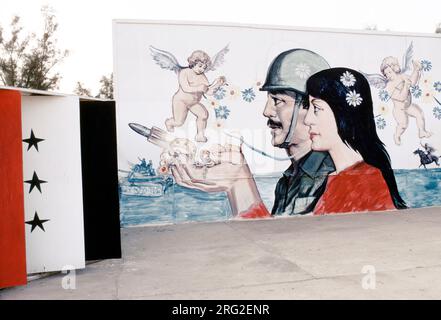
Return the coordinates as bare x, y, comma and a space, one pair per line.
80, 90
106, 90
30, 62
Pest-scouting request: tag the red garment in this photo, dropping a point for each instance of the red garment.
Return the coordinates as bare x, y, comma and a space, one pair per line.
360, 187
12, 224
257, 210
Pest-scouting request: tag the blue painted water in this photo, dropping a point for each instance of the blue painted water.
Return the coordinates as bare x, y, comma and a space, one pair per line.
418, 187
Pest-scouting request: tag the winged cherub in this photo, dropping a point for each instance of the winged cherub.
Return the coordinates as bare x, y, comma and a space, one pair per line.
397, 84
193, 85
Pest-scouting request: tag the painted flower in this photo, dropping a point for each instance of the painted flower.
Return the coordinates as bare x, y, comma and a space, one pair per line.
219, 93
353, 98
383, 95
437, 86
437, 112
426, 83
348, 79
427, 96
233, 92
383, 110
426, 65
380, 123
219, 123
303, 71
163, 170
416, 91
257, 84
213, 103
248, 94
222, 112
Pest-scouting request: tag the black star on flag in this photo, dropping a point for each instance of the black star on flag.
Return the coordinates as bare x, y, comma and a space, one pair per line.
54, 181
35, 182
36, 222
33, 141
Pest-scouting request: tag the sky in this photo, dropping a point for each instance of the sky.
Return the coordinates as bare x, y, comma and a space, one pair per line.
85, 26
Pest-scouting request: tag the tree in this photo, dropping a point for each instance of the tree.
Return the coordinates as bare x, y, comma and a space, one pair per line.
81, 90
106, 90
12, 53
29, 63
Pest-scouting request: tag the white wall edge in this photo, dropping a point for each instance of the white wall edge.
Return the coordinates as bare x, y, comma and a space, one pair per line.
274, 27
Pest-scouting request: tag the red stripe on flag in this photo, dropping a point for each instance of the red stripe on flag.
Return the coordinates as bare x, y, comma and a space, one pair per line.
12, 227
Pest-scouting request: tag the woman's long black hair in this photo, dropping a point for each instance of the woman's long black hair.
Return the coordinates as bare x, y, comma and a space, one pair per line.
355, 122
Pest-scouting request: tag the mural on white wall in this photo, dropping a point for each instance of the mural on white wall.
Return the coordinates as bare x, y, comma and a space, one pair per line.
242, 145
399, 87
193, 85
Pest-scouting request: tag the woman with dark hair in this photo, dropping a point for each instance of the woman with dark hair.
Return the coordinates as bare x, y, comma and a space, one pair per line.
341, 121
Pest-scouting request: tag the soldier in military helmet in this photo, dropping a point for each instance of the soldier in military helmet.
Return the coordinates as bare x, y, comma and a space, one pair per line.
303, 183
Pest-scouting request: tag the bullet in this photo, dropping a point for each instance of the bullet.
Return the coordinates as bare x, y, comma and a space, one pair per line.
144, 131
154, 135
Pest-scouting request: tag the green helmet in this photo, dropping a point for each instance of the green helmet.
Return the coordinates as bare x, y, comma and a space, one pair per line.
290, 70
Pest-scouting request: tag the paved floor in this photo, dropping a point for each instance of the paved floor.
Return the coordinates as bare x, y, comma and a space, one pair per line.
287, 258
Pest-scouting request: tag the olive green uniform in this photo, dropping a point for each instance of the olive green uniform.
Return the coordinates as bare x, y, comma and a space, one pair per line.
301, 186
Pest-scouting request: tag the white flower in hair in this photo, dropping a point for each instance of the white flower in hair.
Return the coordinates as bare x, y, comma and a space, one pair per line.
353, 98
303, 71
348, 79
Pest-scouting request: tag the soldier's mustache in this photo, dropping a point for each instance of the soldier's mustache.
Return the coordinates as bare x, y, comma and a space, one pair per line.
273, 124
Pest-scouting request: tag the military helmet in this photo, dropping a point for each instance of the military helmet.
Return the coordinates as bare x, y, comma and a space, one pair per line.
290, 70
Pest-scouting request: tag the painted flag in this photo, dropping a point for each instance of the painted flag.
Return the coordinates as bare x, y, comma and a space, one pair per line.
100, 180
52, 183
12, 232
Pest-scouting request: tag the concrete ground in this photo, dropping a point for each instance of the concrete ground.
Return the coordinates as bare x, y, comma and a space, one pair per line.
287, 258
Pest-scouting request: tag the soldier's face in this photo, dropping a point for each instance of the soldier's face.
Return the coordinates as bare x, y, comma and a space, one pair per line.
279, 109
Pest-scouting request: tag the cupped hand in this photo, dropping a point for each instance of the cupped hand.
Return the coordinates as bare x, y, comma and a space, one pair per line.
229, 166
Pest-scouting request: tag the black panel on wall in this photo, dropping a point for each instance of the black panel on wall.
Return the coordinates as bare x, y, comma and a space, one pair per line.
100, 180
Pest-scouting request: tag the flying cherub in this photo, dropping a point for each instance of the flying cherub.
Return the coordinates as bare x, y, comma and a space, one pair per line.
193, 84
397, 84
